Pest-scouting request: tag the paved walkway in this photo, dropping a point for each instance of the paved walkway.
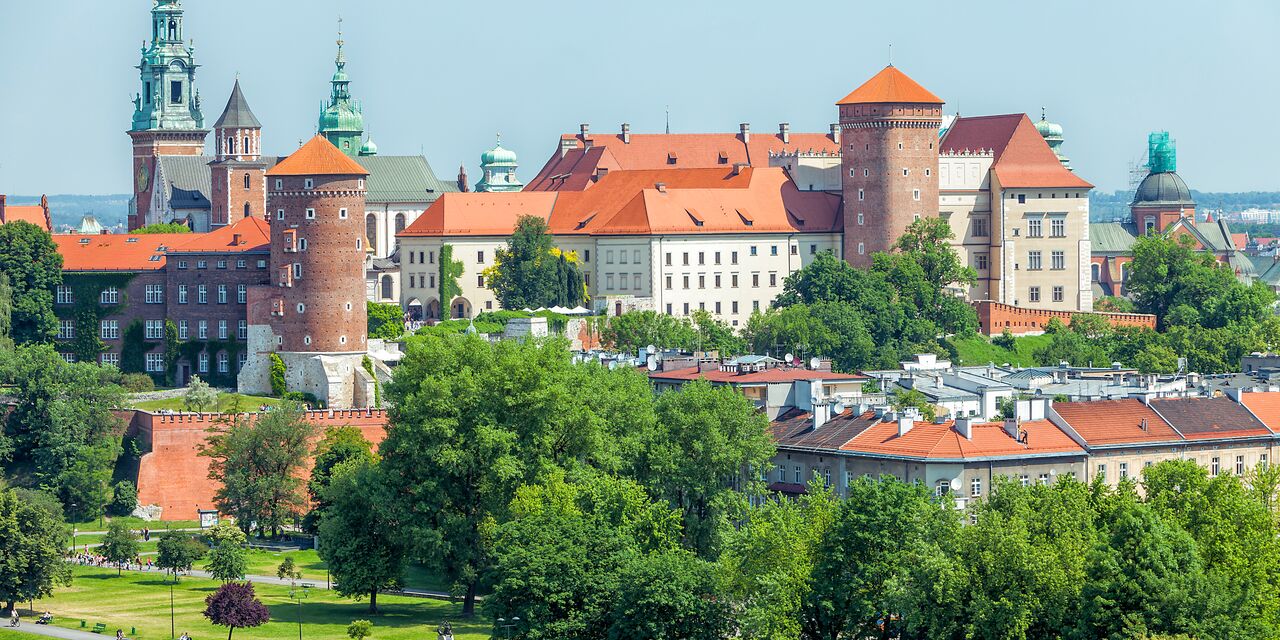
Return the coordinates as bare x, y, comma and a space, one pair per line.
29, 626
313, 584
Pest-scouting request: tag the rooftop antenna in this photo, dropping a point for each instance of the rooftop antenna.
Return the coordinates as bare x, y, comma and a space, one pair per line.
891, 54
668, 119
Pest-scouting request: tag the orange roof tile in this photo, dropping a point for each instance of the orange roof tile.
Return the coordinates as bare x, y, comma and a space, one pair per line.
776, 374
1109, 422
1022, 158
1265, 405
941, 441
318, 157
32, 213
246, 234
632, 203
575, 168
1240, 240
116, 252
890, 85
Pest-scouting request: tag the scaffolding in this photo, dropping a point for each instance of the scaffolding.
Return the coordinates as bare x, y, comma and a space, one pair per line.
1162, 153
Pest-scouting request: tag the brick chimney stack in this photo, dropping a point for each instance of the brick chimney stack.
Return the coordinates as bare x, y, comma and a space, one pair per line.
784, 131
626, 133
585, 130
745, 131
835, 133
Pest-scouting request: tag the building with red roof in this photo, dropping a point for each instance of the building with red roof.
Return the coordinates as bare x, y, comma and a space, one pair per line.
772, 385
37, 214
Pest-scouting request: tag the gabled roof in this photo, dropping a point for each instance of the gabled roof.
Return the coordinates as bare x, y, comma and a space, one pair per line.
116, 252
318, 157
576, 162
32, 213
1265, 405
1022, 158
890, 85
246, 234
237, 114
645, 202
407, 179
1111, 237
1203, 418
1111, 422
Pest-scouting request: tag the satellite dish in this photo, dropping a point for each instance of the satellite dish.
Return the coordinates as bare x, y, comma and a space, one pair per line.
788, 358
814, 362
613, 364
650, 349
837, 408
652, 363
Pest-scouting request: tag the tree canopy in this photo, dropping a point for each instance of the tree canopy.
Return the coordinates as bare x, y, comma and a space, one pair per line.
359, 534
530, 272
33, 539
163, 227
31, 262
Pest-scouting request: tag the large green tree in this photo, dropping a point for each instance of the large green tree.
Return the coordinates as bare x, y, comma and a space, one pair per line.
471, 421
33, 539
119, 545
530, 272
359, 536
177, 552
339, 445
257, 461
30, 259
1170, 278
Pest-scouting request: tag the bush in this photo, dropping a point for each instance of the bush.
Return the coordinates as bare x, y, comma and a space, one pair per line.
1005, 340
278, 386
137, 382
386, 321
124, 499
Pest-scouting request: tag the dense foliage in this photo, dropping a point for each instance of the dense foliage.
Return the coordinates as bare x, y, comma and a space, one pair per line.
235, 606
33, 539
386, 321
177, 552
530, 272
339, 445
700, 331
31, 262
163, 227
360, 537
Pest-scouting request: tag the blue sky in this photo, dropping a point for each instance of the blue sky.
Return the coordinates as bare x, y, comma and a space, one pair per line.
444, 77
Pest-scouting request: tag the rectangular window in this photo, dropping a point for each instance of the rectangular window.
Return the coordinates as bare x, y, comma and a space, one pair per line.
1022, 198
224, 363
480, 281
479, 257
702, 282
975, 488
980, 261
182, 264
242, 292
668, 258
608, 257
668, 308
861, 195
297, 270
311, 214
1058, 260
813, 249
110, 295
755, 305
1034, 229
111, 359
795, 249
222, 294
202, 330
279, 214
717, 307
686, 308
1102, 472
668, 282
202, 294
685, 281
798, 479
716, 257
979, 228
175, 91
733, 280
342, 214
1058, 294
242, 330
66, 329
154, 329
110, 330
62, 295
636, 279
635, 256
1058, 228
1033, 260
203, 361
915, 194
155, 362
202, 264
240, 264
773, 279
1124, 470
733, 306
182, 330
222, 329
684, 258
753, 251
773, 250
717, 280
702, 257
1044, 478
222, 264
1239, 465
755, 280
308, 183
733, 257
608, 281
1214, 467
1034, 294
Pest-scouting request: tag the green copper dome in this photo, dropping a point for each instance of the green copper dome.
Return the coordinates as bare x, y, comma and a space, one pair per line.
1048, 129
498, 156
369, 148
342, 120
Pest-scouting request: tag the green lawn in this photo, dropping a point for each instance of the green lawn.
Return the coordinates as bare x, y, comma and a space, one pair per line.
264, 563
134, 523
227, 402
141, 601
979, 350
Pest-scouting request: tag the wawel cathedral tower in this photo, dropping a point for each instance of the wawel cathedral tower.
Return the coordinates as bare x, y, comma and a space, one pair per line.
166, 113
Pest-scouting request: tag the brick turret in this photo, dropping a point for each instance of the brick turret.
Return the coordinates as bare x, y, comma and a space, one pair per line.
889, 156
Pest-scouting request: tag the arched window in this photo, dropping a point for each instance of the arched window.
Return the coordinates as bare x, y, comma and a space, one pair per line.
371, 230
173, 29
247, 150
399, 222
246, 181
1097, 272
246, 207
386, 287
231, 145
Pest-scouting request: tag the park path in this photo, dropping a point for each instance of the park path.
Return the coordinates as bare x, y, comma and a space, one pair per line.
50, 631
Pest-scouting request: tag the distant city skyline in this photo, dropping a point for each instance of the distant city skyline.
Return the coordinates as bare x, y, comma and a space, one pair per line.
445, 79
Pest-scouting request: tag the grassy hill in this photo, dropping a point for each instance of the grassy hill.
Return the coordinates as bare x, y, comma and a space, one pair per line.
978, 350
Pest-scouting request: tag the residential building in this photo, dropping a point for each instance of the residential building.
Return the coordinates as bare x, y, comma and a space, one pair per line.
772, 385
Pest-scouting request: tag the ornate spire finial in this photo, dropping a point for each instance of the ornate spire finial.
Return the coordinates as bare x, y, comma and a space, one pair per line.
499, 138
891, 54
668, 119
1042, 113
340, 60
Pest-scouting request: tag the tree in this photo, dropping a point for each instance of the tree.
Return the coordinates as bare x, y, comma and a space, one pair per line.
33, 540
914, 399
124, 498
163, 227
668, 594
30, 260
450, 271
339, 445
531, 272
1167, 273
830, 329
636, 330
227, 558
177, 552
119, 545
199, 396
288, 570
6, 313
359, 535
714, 334
359, 629
935, 272
471, 421
703, 434
257, 461
386, 321
235, 606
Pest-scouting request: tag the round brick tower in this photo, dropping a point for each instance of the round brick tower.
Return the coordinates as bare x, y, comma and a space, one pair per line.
315, 200
889, 157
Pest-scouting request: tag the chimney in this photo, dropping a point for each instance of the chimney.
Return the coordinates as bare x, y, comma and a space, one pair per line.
1011, 428
462, 176
835, 133
784, 131
235, 239
821, 414
626, 133
906, 421
660, 186
585, 128
738, 167
745, 130
964, 425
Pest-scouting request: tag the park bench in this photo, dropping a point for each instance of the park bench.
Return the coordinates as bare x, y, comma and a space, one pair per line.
99, 628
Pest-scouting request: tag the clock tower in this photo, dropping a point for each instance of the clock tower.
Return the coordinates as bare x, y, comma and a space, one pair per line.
166, 112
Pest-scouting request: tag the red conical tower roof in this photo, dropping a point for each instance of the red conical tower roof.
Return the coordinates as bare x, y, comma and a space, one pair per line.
318, 157
890, 85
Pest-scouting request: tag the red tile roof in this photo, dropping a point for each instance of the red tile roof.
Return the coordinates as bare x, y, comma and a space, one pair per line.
33, 213
1240, 240
574, 169
931, 441
1205, 418
890, 85
318, 157
645, 202
1022, 158
1265, 405
776, 374
148, 251
1108, 422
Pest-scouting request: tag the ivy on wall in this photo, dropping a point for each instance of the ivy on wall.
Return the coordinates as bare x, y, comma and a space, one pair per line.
86, 311
133, 358
278, 385
190, 351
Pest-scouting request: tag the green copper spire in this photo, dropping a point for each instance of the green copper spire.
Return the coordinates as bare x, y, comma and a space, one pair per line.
168, 99
499, 170
342, 122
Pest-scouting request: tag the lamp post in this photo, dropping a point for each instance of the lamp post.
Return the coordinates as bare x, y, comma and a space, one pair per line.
507, 625
299, 596
172, 626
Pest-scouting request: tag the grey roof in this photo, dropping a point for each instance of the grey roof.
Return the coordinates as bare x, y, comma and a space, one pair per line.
1166, 187
237, 115
402, 179
186, 179
1267, 269
1111, 237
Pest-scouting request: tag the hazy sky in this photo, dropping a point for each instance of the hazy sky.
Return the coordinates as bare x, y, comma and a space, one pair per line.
444, 77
